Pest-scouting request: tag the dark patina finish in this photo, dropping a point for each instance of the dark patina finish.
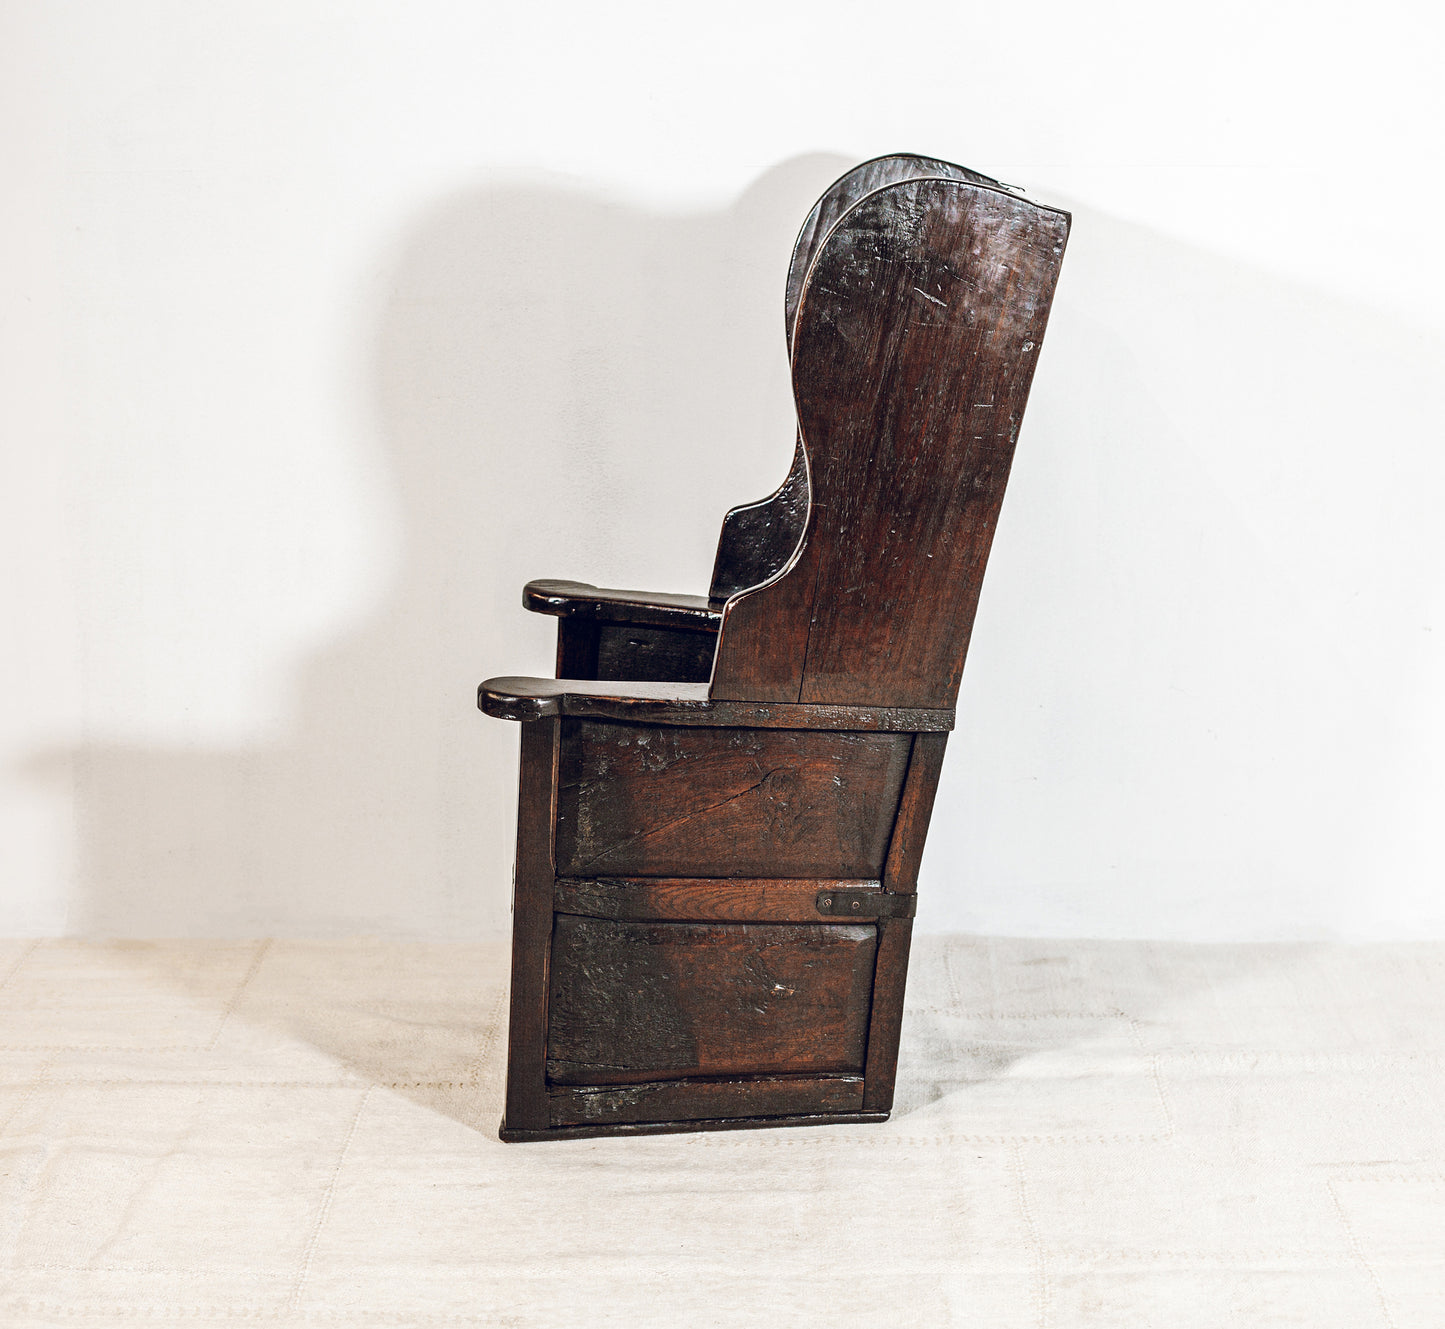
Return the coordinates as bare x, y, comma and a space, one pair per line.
724, 798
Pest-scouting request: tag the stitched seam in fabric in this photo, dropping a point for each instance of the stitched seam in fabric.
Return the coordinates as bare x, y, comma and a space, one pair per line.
256, 960
1360, 1258
1041, 1268
324, 1212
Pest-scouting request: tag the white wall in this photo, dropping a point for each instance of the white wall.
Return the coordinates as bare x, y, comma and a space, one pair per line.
326, 326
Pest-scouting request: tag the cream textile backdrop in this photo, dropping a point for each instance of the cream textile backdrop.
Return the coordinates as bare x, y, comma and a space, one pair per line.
326, 326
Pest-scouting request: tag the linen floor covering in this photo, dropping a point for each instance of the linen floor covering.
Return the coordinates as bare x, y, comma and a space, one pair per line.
1087, 1134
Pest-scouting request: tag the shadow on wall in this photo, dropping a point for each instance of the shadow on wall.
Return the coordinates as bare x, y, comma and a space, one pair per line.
572, 388
566, 388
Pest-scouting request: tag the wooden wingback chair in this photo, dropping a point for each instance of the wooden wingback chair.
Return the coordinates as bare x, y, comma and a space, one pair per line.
724, 799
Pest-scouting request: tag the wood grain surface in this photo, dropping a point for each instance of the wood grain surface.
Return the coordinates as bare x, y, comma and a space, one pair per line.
629, 651
915, 811
850, 188
652, 1001
697, 1100
531, 929
580, 599
759, 538
684, 900
635, 800
665, 703
914, 348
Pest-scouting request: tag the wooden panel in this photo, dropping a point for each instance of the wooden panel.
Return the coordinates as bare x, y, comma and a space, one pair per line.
698, 1100
648, 655
651, 1001
682, 900
641, 801
914, 348
531, 930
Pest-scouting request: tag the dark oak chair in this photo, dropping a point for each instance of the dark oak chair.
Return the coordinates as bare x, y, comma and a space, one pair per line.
724, 798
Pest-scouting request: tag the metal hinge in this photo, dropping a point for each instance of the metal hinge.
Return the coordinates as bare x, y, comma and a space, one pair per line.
846, 903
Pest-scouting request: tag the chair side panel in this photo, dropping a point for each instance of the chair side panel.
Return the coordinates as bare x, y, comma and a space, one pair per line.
678, 801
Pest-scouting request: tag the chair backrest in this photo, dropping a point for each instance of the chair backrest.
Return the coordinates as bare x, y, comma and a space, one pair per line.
916, 331
841, 195
759, 538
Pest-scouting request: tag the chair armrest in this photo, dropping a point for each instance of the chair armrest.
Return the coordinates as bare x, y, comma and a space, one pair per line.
577, 599
686, 704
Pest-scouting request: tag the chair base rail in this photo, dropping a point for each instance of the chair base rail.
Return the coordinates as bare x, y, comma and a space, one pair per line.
508, 1135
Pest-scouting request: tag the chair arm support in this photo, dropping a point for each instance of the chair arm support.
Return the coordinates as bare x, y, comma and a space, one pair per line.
576, 599
686, 704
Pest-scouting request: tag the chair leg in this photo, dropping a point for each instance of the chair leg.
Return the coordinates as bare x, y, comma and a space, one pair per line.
531, 930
